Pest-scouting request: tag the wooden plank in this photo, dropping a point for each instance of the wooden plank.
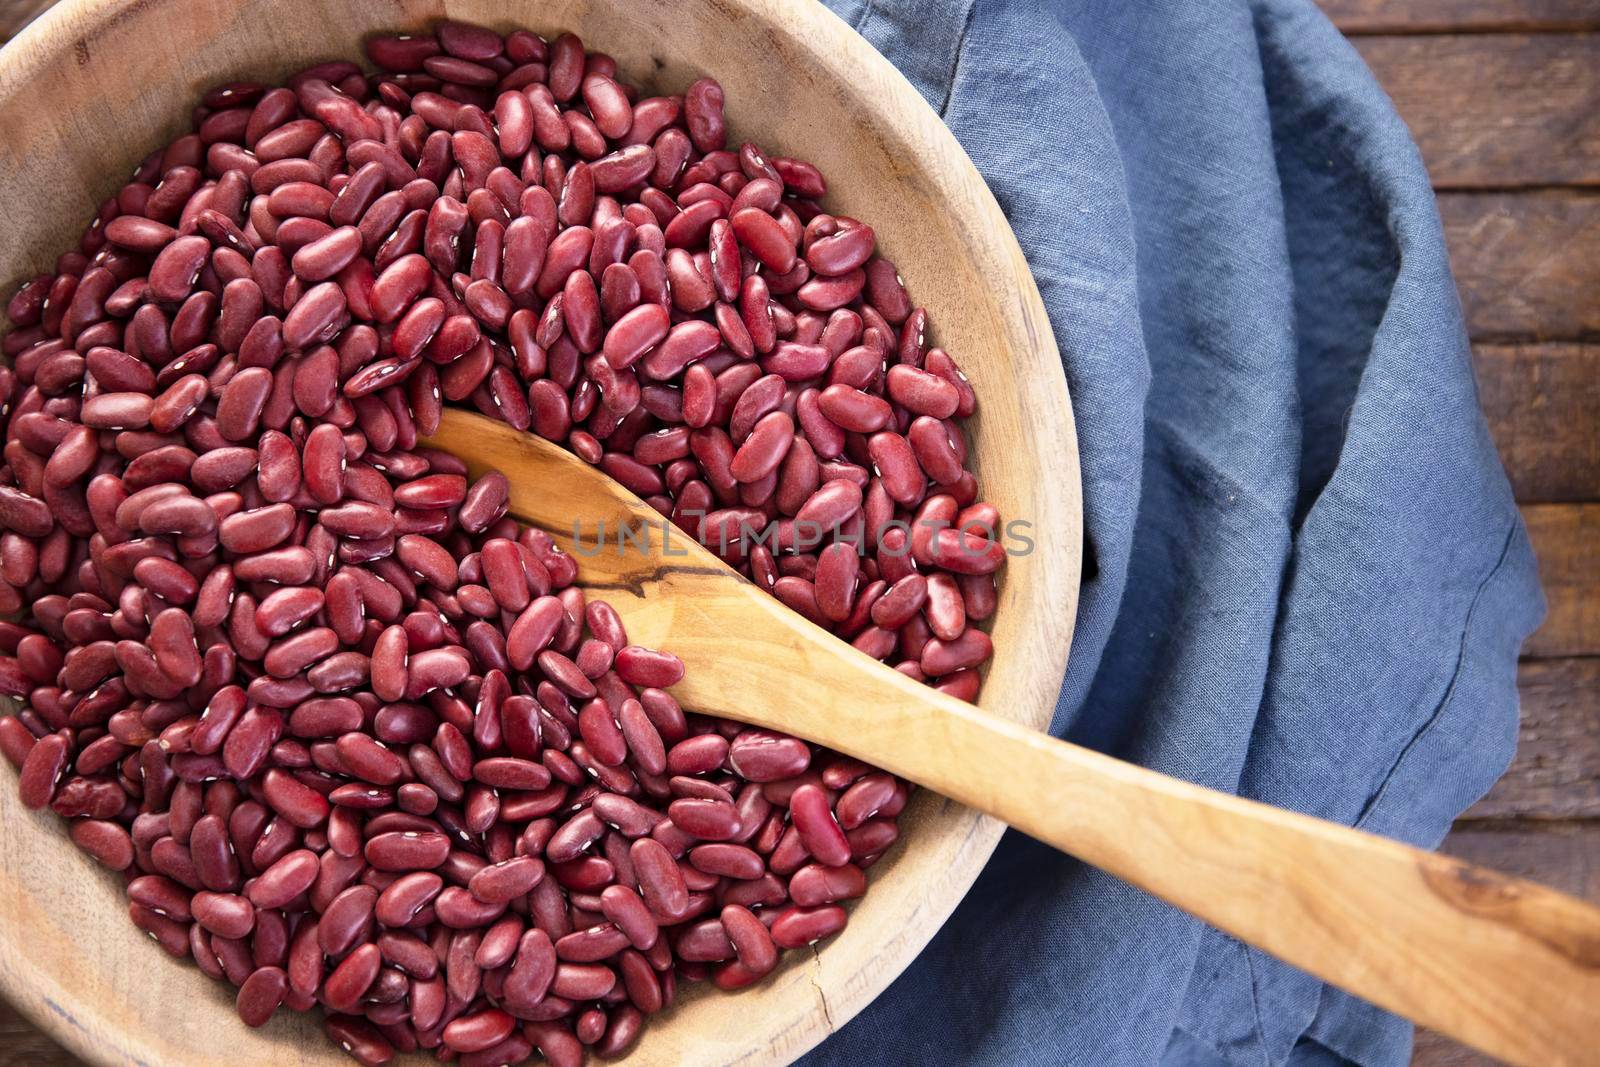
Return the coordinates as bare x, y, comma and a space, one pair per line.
1566, 538
23, 1045
1542, 403
1457, 16
1556, 772
1527, 264
1564, 855
1436, 1050
17, 14
1497, 110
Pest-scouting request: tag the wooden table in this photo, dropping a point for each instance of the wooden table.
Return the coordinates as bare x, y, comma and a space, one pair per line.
1504, 98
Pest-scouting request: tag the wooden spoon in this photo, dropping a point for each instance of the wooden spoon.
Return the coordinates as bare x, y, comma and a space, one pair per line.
1505, 965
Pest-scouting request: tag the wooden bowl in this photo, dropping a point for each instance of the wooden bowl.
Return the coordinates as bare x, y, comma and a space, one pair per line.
96, 84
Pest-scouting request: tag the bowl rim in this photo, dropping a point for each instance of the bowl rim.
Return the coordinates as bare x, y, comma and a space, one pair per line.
973, 209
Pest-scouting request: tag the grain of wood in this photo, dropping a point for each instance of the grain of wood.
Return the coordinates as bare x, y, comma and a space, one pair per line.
1455, 16
1527, 264
24, 1045
1566, 538
1556, 772
1542, 403
1436, 1050
1497, 110
16, 14
1565, 856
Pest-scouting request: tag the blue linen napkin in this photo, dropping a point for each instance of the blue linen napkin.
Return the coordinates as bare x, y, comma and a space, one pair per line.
1305, 579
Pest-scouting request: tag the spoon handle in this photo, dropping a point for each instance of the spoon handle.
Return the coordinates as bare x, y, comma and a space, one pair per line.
1505, 965
1502, 964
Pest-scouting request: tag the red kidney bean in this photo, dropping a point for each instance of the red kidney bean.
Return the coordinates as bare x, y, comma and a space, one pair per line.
940, 657
831, 506
798, 927
759, 232
763, 756
660, 882
838, 573
684, 344
107, 842
842, 252
162, 896
945, 610
533, 969
503, 882
224, 914
407, 850
240, 406
648, 667
979, 595
42, 769
866, 798
582, 981
632, 918
401, 902
900, 602
708, 820
819, 831
622, 169
261, 994
593, 945
703, 942
935, 451
284, 880
635, 334
727, 860
359, 1038
474, 1033
352, 978
641, 738
702, 109
886, 292
962, 552
212, 852
369, 760
292, 799
328, 255
764, 449
752, 944
853, 410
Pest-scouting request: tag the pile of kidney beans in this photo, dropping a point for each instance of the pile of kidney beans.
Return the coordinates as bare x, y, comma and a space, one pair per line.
351, 734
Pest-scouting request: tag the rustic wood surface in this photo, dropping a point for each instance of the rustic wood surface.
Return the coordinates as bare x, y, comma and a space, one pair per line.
1497, 110
1567, 540
1502, 95
1553, 775
1460, 16
1540, 401
1527, 260
1527, 263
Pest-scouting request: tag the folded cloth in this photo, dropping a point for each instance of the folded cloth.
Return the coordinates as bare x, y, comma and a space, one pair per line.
1305, 578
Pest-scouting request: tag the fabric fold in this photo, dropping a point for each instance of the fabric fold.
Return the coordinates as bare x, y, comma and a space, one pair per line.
1305, 579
